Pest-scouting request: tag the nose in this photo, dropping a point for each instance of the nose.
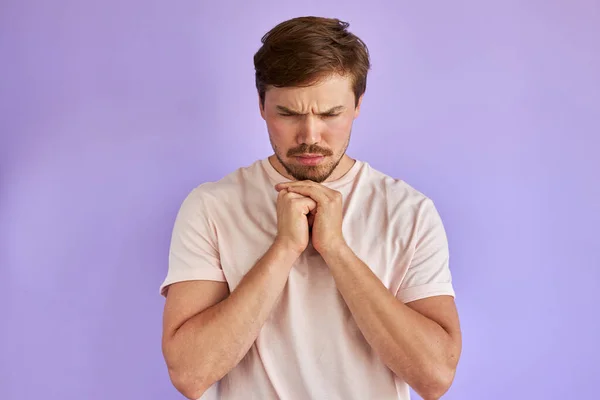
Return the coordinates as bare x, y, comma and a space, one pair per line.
310, 131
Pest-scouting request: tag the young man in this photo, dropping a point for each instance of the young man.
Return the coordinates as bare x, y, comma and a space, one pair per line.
309, 274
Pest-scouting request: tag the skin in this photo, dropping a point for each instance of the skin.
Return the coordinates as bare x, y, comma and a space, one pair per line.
311, 120
207, 330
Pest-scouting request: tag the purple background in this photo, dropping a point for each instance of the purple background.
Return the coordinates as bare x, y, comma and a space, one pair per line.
110, 112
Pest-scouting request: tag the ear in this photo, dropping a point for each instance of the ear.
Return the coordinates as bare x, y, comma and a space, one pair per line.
260, 107
357, 108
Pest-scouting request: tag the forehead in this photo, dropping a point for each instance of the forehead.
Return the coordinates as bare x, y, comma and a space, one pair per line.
330, 91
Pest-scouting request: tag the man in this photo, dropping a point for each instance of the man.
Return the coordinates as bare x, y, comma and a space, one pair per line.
308, 274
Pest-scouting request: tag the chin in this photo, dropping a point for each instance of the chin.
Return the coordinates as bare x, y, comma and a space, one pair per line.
301, 172
313, 173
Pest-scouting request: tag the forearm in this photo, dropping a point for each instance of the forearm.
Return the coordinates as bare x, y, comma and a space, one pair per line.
214, 341
414, 347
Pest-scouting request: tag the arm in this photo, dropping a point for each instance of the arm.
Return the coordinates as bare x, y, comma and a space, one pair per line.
206, 330
419, 342
206, 333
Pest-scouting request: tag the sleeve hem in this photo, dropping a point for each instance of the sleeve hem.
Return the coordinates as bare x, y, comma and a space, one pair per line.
423, 291
216, 276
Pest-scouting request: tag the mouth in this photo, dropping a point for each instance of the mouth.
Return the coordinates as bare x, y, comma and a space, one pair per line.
310, 159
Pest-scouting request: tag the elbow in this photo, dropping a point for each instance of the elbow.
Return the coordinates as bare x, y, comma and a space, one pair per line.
441, 377
191, 387
189, 380
438, 385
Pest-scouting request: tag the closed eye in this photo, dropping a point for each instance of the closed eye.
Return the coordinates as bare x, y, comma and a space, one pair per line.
296, 115
330, 113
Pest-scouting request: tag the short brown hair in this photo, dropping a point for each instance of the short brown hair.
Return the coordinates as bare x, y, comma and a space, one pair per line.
301, 51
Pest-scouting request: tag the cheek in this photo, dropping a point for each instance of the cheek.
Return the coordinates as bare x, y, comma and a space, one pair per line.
338, 129
279, 129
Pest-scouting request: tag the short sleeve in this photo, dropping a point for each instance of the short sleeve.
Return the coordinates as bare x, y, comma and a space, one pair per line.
193, 252
428, 273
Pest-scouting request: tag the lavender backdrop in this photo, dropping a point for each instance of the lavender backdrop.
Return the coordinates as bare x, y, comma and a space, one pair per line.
110, 112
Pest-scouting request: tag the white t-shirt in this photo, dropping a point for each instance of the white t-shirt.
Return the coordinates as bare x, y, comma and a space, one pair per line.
310, 346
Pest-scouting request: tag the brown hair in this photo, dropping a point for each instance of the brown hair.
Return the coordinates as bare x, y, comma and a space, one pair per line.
304, 50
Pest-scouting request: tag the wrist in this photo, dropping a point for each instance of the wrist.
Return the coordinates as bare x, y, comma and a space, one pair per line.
335, 250
285, 250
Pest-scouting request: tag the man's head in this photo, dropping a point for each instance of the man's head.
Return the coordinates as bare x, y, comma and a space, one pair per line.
311, 74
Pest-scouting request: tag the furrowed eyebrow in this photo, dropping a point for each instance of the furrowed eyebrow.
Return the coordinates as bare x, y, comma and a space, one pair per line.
332, 110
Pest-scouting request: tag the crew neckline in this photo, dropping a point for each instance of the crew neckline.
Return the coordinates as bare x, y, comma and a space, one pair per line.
349, 176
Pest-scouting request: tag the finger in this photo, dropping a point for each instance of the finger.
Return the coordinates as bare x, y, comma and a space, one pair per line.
285, 194
320, 196
291, 195
287, 185
306, 203
284, 185
281, 193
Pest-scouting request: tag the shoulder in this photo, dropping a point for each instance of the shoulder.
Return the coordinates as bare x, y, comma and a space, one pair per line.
397, 193
410, 209
226, 191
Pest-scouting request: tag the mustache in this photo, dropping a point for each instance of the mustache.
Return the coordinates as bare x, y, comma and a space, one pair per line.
309, 149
